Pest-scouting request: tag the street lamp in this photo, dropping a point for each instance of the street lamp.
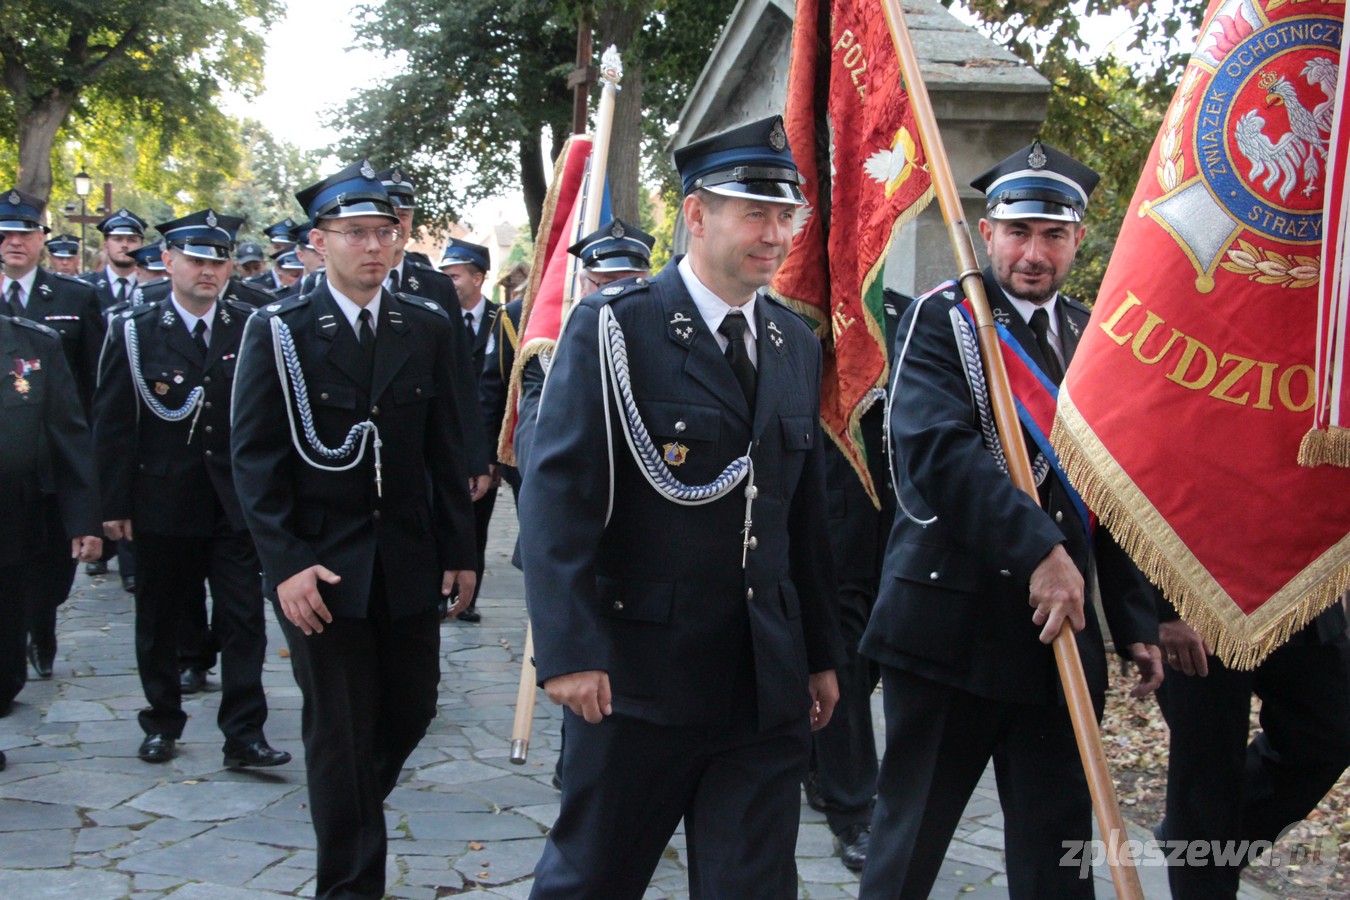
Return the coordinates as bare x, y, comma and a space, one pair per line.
83, 185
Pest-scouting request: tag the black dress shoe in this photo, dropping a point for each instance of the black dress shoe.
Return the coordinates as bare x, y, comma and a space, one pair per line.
814, 798
129, 584
854, 842
156, 748
470, 615
258, 754
42, 663
96, 568
191, 681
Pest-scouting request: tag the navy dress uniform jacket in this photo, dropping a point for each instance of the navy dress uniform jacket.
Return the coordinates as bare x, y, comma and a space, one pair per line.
149, 472
429, 284
953, 603
656, 596
70, 307
46, 452
302, 516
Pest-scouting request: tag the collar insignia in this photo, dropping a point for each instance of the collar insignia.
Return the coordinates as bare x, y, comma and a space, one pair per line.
168, 318
1073, 326
44, 289
225, 315
414, 283
1001, 317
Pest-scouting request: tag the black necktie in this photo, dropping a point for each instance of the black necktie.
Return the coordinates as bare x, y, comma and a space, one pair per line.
121, 290
15, 305
468, 325
1040, 323
366, 334
199, 337
738, 355
393, 281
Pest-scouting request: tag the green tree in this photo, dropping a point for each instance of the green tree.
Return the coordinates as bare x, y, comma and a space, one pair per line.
482, 93
1105, 111
155, 61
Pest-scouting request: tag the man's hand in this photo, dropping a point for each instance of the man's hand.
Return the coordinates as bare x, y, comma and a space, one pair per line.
300, 600
1057, 594
824, 689
117, 530
1183, 648
464, 581
586, 693
1149, 660
86, 548
478, 486
495, 475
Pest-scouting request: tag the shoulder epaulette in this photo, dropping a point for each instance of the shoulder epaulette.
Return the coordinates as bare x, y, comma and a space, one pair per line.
1076, 304
278, 307
36, 326
71, 278
422, 303
132, 310
240, 306
625, 288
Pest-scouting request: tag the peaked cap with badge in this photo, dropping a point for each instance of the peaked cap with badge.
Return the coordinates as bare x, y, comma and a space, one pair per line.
615, 246
465, 253
21, 211
751, 161
1037, 182
205, 234
353, 192
64, 246
122, 222
282, 232
402, 192
248, 252
287, 259
150, 257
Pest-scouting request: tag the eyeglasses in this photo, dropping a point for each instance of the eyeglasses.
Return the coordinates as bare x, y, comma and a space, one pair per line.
358, 237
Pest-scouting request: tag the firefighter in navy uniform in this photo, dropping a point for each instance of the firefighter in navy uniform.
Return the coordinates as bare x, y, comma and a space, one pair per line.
64, 254
684, 611
123, 234
162, 436
46, 477
978, 577
361, 513
70, 307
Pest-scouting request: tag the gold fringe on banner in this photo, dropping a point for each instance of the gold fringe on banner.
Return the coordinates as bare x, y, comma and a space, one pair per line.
1328, 446
1242, 641
506, 445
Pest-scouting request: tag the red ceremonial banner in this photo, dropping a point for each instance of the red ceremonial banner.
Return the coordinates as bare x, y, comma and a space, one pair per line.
879, 181
1181, 415
550, 274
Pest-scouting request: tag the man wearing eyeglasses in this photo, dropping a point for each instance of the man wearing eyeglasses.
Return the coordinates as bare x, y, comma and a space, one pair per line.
350, 464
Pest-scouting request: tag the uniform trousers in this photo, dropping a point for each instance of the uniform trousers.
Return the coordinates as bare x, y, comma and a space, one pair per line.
1222, 788
369, 688
627, 783
939, 739
172, 571
482, 517
48, 577
13, 633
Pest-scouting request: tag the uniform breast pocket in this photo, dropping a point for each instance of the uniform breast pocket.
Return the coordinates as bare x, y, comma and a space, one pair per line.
169, 385
798, 432
332, 395
412, 391
682, 429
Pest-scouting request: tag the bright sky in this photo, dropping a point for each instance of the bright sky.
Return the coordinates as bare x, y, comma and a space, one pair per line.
295, 101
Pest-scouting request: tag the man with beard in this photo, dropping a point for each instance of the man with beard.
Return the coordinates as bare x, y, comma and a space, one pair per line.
978, 577
123, 234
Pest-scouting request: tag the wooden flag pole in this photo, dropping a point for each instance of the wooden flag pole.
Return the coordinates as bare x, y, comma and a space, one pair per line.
1107, 808
611, 73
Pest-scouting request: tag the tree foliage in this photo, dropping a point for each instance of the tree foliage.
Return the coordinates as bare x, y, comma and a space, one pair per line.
156, 63
1104, 111
481, 103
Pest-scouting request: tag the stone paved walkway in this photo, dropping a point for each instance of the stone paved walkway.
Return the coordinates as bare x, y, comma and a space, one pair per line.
81, 816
